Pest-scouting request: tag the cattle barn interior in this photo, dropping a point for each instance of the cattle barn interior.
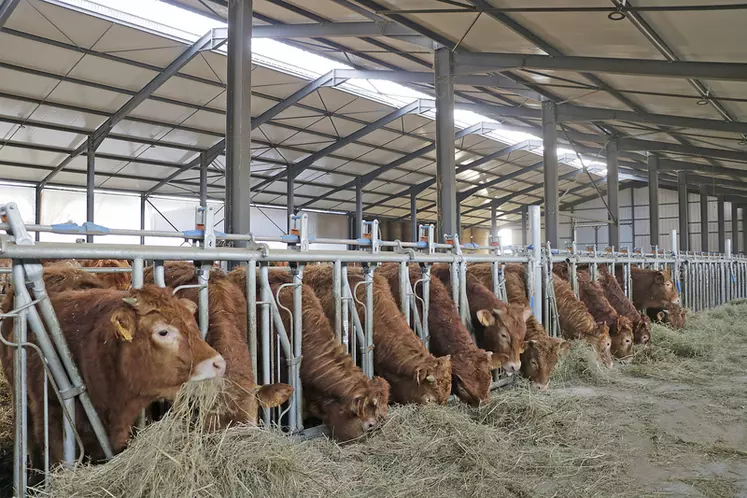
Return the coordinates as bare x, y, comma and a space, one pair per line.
429, 232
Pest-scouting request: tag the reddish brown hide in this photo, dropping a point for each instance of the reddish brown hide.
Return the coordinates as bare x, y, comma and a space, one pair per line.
624, 306
470, 365
651, 288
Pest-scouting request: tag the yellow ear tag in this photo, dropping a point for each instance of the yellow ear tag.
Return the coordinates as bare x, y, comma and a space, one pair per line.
122, 331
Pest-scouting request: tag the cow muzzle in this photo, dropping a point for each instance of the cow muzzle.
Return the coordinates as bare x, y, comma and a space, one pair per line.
512, 367
212, 368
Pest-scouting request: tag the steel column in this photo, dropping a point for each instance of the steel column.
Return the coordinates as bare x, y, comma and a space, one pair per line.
413, 217
613, 195
90, 183
653, 200
38, 210
721, 224
550, 159
143, 200
744, 229
494, 222
358, 210
734, 228
203, 178
703, 220
290, 200
683, 210
524, 218
445, 148
238, 118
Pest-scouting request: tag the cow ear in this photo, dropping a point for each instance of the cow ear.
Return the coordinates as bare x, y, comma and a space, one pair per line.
486, 318
660, 316
272, 395
660, 277
190, 305
529, 343
495, 361
138, 305
526, 314
564, 346
124, 325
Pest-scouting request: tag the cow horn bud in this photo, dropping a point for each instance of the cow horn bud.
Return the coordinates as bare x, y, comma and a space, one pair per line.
130, 300
430, 378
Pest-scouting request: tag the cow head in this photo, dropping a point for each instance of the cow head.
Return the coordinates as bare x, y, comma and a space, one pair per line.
431, 383
539, 358
622, 338
602, 343
471, 375
504, 331
642, 330
160, 344
120, 281
661, 292
675, 315
351, 418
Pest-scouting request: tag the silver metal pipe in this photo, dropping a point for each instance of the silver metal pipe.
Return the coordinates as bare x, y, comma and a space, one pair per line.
159, 273
454, 268
359, 337
404, 285
297, 344
368, 358
337, 296
345, 308
266, 298
536, 297
20, 399
138, 268
426, 303
203, 298
251, 313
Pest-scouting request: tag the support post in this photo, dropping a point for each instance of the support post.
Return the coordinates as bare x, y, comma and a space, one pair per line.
358, 209
550, 160
445, 150
38, 210
632, 218
613, 195
238, 118
734, 228
290, 185
703, 220
524, 218
143, 200
203, 178
90, 182
744, 229
536, 297
494, 221
413, 217
721, 225
683, 210
653, 200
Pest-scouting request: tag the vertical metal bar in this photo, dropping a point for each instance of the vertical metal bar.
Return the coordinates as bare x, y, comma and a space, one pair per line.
345, 331
413, 217
536, 297
632, 218
251, 313
524, 218
703, 219
20, 448
265, 297
143, 200
653, 200
369, 326
426, 305
446, 201
203, 178
38, 194
159, 273
550, 162
683, 210
358, 208
744, 229
90, 182
297, 399
494, 221
455, 281
613, 195
337, 295
721, 216
290, 197
463, 302
138, 267
405, 299
203, 296
734, 228
238, 118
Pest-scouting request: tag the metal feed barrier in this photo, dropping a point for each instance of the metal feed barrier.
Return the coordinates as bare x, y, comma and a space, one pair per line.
280, 350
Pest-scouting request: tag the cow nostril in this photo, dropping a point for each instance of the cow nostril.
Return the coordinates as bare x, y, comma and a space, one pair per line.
219, 364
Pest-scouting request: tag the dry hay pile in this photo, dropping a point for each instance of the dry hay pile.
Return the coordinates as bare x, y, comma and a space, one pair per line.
521, 443
6, 438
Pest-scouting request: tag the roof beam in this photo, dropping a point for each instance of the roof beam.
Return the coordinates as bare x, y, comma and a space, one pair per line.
6, 9
496, 181
672, 165
469, 62
209, 41
568, 112
634, 144
293, 171
334, 30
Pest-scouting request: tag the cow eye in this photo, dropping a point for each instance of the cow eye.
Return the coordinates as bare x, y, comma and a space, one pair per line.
163, 333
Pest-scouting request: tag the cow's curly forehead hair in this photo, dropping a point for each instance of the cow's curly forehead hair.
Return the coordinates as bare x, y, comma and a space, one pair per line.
155, 299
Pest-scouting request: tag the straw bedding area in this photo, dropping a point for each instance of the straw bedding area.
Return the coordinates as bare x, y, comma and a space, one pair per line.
596, 432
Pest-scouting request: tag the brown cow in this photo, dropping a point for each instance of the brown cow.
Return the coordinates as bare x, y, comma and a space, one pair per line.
617, 298
577, 323
651, 288
621, 329
470, 365
335, 389
541, 352
119, 281
227, 333
673, 315
131, 347
499, 327
413, 374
